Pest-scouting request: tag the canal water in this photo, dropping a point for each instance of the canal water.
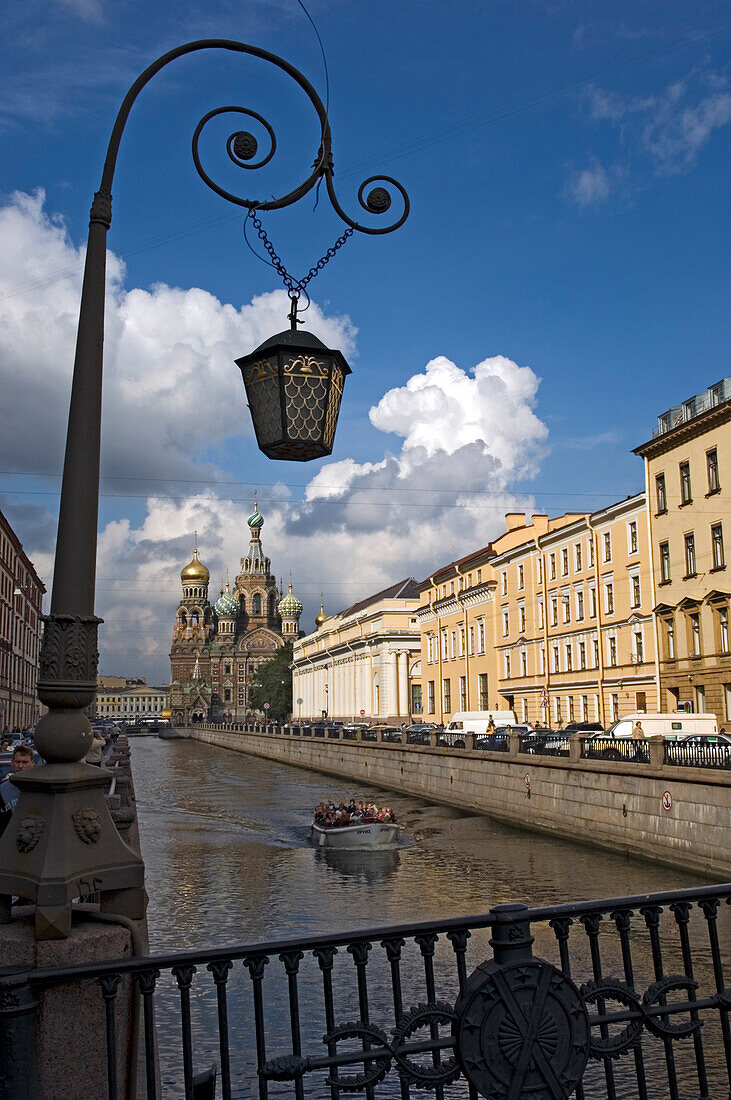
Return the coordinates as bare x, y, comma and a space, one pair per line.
224, 838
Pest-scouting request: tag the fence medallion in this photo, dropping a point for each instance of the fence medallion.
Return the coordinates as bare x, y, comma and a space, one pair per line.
522, 1030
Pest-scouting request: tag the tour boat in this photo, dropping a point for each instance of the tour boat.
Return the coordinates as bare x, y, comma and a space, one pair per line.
373, 834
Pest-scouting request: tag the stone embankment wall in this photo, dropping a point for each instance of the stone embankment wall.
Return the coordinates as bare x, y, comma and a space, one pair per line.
675, 815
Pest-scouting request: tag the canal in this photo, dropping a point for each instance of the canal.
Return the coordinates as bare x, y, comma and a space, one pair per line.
224, 838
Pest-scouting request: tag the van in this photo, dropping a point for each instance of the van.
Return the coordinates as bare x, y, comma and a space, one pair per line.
670, 726
474, 721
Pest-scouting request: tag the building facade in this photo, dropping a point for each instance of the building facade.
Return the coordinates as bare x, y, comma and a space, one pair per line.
133, 702
217, 647
21, 601
455, 622
688, 486
552, 620
362, 664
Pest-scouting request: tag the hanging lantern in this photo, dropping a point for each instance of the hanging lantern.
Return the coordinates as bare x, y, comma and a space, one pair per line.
294, 385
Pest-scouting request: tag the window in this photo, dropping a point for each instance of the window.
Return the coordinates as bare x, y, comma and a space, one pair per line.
569, 657
453, 647
445, 643
641, 701
632, 531
607, 543
482, 684
582, 655
661, 494
523, 662
521, 618
556, 659
639, 647
479, 576
521, 577
591, 551
690, 554
565, 600
695, 634
542, 660
615, 707
609, 598
429, 648
686, 495
256, 605
552, 567
539, 569
592, 603
461, 641
570, 701
717, 546
481, 636
564, 562
580, 605
507, 666
584, 708
664, 562
613, 652
506, 622
540, 614
227, 695
227, 669
463, 693
723, 629
504, 583
636, 592
577, 557
714, 484
472, 640
447, 695
554, 610
595, 647
430, 696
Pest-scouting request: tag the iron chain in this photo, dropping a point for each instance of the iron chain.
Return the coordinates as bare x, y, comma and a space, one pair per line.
295, 287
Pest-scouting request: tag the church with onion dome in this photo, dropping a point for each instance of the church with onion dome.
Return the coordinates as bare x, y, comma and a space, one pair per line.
218, 646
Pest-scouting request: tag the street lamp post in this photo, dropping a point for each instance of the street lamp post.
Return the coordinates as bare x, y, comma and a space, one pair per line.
62, 842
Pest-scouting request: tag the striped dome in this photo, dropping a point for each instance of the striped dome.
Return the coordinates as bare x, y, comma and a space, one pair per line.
256, 519
226, 604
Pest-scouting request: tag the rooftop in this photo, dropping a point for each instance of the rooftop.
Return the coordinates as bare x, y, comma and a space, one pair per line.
692, 407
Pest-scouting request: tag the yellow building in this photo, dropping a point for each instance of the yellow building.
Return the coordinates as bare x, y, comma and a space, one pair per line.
455, 623
363, 663
552, 620
687, 480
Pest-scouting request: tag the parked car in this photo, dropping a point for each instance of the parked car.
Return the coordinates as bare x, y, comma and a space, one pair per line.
419, 733
584, 727
386, 733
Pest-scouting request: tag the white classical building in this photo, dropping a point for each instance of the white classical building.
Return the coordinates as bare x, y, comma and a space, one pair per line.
363, 664
130, 704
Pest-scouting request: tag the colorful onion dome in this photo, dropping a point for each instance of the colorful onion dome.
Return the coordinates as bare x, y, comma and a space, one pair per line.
227, 604
195, 571
290, 607
256, 519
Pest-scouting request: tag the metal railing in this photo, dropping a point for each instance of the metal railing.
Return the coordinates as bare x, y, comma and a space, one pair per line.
712, 755
623, 997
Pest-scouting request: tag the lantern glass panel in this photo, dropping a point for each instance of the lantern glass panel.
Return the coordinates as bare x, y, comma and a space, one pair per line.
306, 385
262, 388
333, 406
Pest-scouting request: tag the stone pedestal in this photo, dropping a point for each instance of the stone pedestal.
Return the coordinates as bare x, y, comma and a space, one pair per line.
70, 1019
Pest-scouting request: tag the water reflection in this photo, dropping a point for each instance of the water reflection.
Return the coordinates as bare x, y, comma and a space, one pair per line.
358, 866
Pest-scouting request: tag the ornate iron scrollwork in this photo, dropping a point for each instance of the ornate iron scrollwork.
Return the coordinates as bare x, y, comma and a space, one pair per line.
613, 989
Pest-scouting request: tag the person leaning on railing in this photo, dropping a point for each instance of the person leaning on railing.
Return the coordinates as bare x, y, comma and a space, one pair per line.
22, 759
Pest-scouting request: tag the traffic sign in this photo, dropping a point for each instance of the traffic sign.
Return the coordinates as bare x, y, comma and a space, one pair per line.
362, 713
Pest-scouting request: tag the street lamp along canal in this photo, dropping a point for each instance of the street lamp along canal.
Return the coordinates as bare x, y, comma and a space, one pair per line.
62, 842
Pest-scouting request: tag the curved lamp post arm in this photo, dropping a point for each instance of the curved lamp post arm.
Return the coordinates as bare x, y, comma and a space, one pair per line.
69, 655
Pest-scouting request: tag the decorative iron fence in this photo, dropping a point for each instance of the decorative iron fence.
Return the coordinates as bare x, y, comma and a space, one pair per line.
616, 999
616, 748
698, 754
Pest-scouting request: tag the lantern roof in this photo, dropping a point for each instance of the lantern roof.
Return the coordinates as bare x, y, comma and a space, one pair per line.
297, 340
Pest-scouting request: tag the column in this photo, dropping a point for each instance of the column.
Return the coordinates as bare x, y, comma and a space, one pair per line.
403, 684
392, 679
367, 686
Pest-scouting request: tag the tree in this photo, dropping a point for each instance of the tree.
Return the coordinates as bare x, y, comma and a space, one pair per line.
272, 684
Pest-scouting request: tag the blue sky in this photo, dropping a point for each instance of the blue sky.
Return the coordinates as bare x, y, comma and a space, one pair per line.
568, 170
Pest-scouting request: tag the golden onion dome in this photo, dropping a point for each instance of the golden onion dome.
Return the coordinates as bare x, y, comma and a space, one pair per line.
195, 571
321, 616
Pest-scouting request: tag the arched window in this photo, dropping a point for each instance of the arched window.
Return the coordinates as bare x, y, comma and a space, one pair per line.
257, 604
183, 619
272, 605
194, 618
243, 602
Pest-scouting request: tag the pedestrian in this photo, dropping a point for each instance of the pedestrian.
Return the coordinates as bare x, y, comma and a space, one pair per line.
490, 726
22, 760
638, 734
